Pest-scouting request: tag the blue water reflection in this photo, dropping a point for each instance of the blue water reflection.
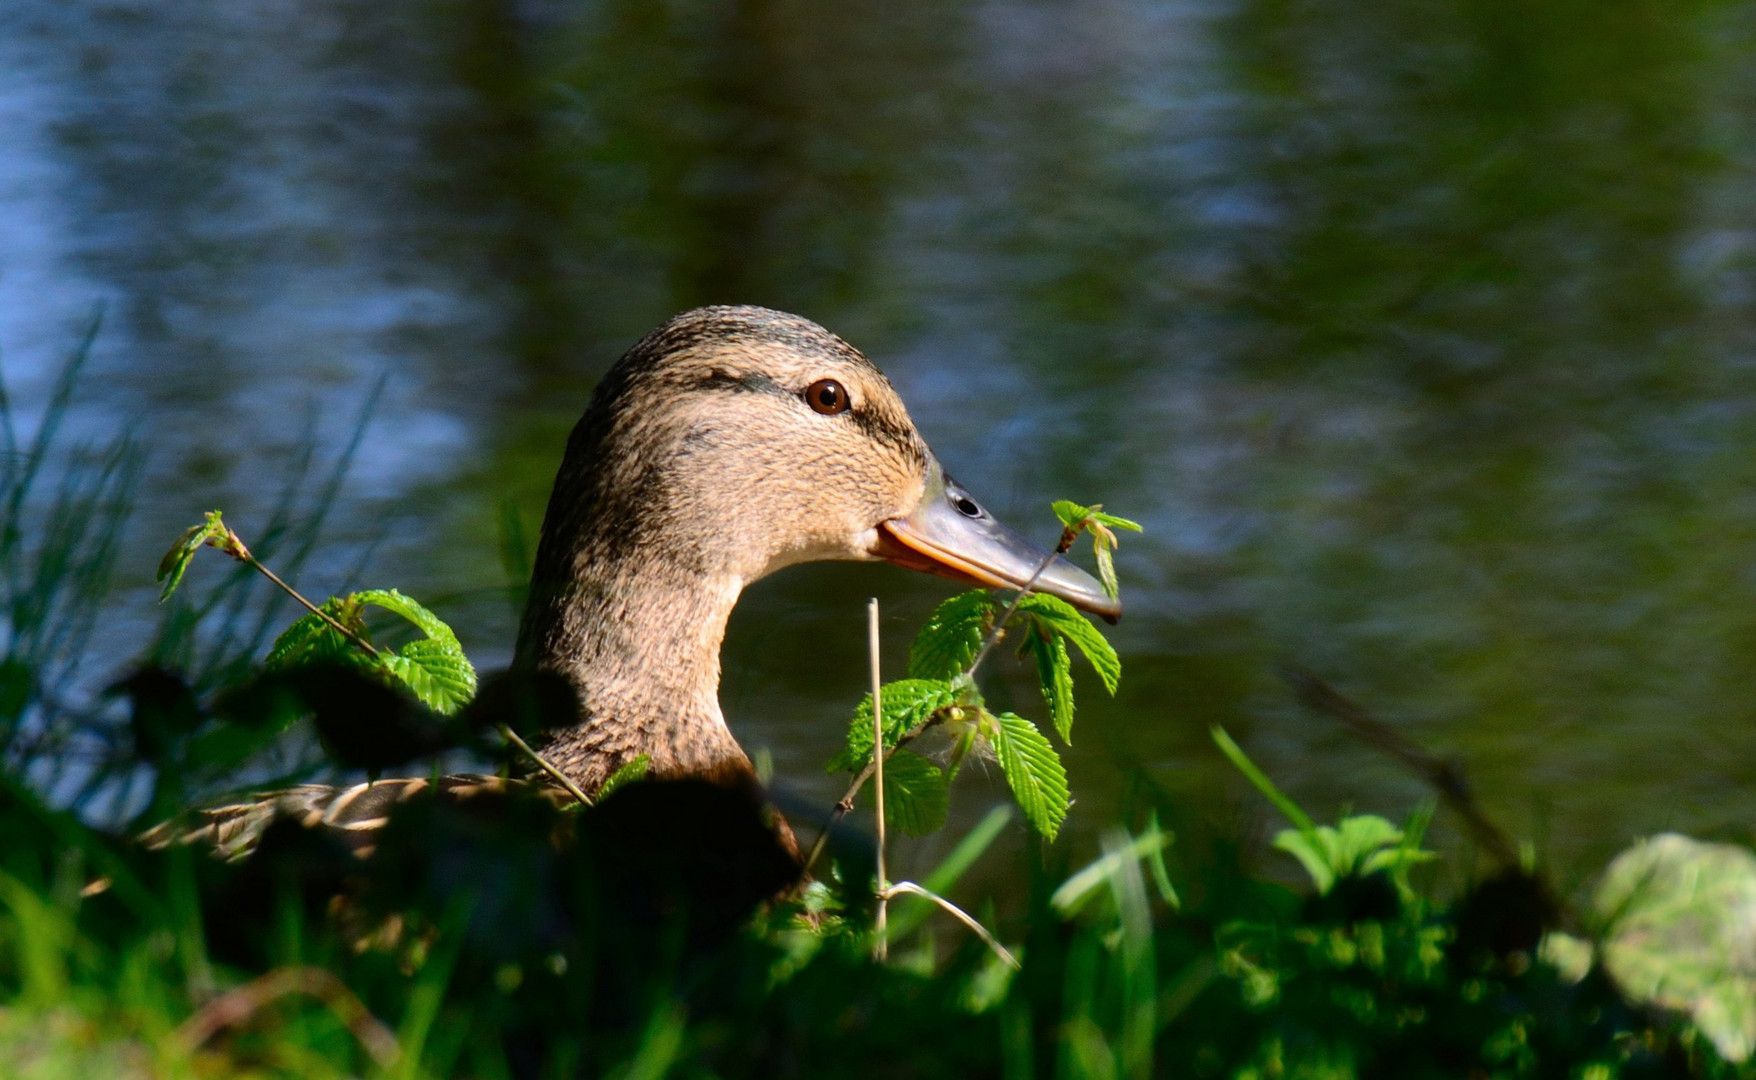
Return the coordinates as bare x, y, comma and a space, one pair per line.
1420, 338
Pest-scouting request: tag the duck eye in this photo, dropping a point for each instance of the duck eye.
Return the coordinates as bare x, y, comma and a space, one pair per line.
827, 396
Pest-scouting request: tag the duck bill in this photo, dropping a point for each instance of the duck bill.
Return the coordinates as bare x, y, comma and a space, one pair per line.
949, 534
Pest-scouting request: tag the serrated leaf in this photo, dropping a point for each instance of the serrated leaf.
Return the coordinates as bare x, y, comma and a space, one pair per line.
916, 794
433, 667
907, 702
437, 671
1071, 513
1055, 673
1033, 771
312, 640
1060, 616
633, 771
952, 636
425, 621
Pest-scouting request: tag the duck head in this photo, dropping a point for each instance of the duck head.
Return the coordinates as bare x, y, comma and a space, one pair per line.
725, 445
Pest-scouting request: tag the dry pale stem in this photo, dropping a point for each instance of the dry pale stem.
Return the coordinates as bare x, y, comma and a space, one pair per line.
962, 916
883, 947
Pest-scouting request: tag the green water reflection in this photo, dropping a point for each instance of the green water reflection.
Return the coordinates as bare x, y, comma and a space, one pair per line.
1419, 335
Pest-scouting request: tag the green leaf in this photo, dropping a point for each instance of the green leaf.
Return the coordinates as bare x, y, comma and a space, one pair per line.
1315, 853
433, 667
1071, 514
1055, 673
437, 671
952, 636
1060, 616
916, 794
632, 772
312, 640
1034, 772
1116, 522
425, 621
176, 560
907, 702
1675, 917
1360, 846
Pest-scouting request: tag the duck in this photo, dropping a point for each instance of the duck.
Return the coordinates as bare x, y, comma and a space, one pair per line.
730, 443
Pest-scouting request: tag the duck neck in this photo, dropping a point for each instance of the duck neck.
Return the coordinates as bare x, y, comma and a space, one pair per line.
639, 637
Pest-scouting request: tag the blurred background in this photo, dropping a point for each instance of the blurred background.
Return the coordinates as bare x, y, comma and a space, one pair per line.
1419, 336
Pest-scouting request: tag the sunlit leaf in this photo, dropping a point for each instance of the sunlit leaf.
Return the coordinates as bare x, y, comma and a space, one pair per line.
1116, 522
907, 702
437, 671
952, 636
916, 794
433, 667
1071, 514
1055, 674
313, 640
1315, 852
1259, 779
390, 600
1061, 617
1033, 771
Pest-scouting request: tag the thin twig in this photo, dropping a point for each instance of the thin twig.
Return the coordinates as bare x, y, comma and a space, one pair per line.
334, 623
962, 916
882, 949
238, 1005
545, 764
1068, 535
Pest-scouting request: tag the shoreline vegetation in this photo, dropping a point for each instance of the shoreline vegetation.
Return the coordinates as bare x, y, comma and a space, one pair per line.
517, 935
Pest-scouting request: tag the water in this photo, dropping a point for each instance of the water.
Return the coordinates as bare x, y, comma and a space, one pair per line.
1419, 336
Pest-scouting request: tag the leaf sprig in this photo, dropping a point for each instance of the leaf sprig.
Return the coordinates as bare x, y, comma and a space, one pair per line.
433, 666
1092, 519
940, 691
